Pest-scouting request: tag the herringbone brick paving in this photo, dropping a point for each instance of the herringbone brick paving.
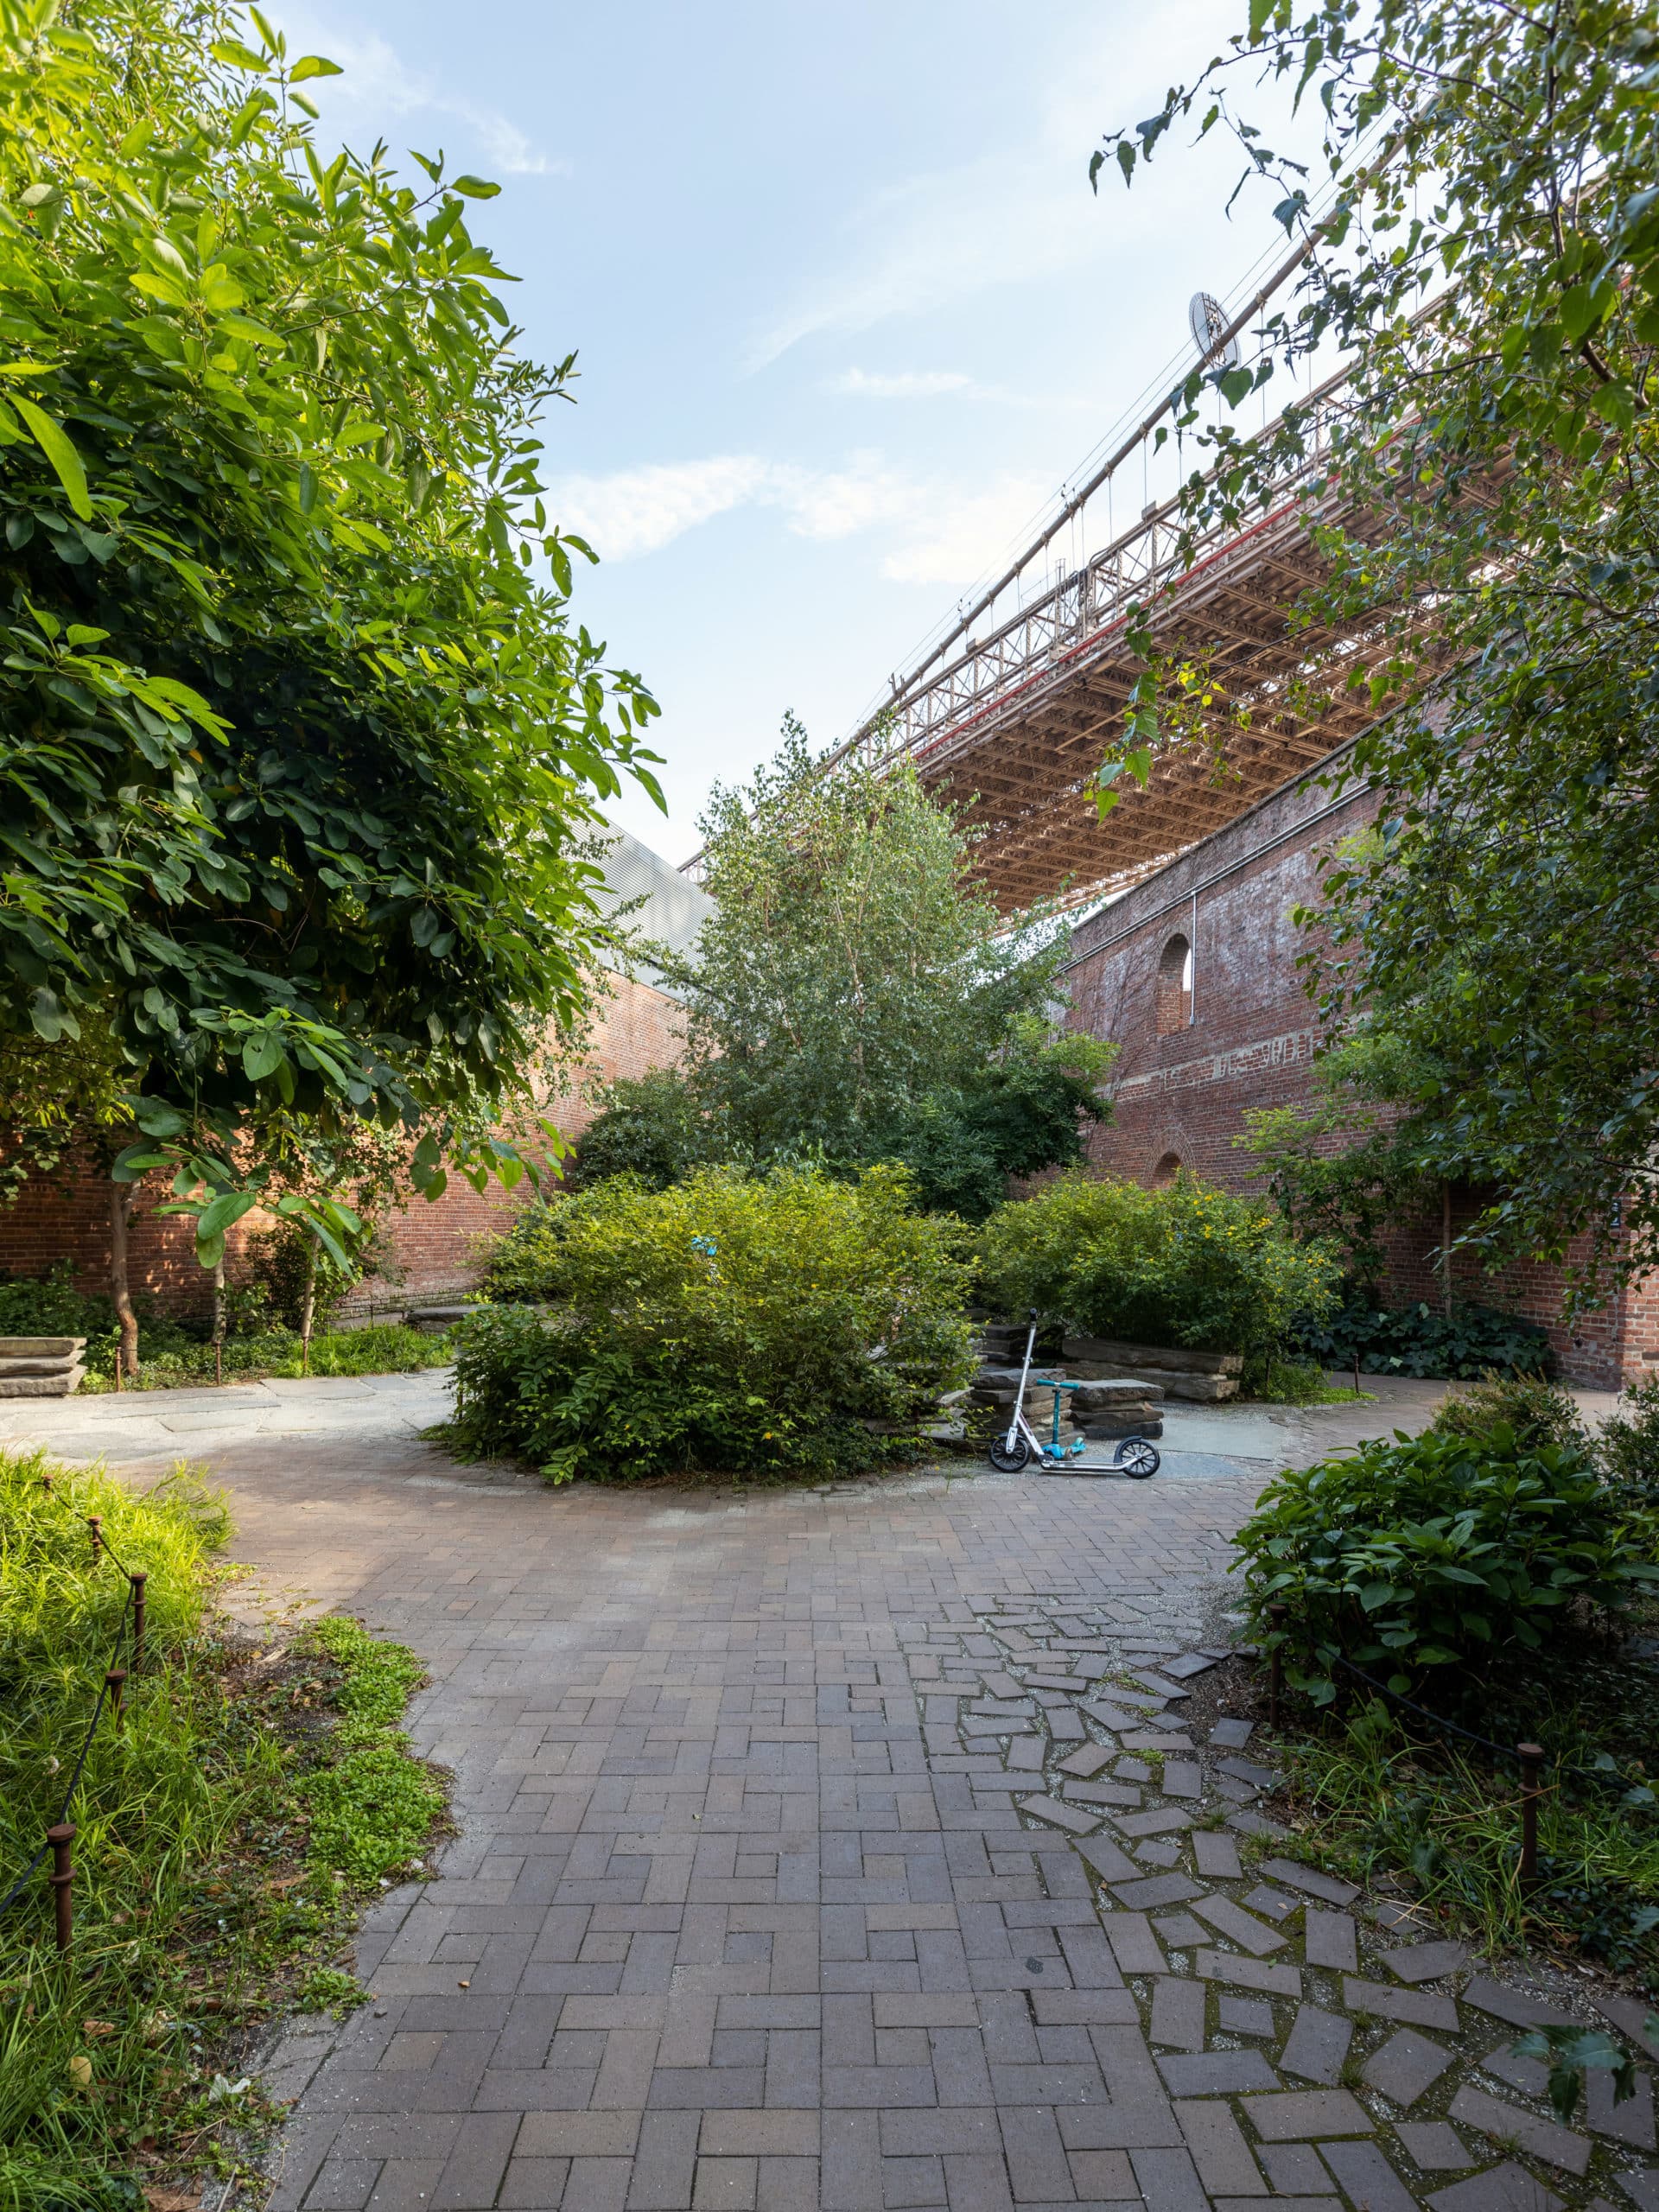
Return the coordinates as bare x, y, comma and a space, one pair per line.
808, 1861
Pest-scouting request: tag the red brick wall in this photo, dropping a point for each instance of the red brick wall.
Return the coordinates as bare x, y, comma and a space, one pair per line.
1247, 1039
436, 1244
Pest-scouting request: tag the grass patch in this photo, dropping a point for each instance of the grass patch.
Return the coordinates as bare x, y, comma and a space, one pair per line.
1385, 1797
1299, 1383
225, 1839
178, 1362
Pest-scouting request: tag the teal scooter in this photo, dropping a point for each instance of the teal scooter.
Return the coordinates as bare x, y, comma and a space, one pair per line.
1020, 1444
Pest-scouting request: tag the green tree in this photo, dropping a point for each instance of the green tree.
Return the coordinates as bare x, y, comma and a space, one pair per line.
1342, 1167
854, 966
654, 1127
299, 743
1489, 265
1023, 1110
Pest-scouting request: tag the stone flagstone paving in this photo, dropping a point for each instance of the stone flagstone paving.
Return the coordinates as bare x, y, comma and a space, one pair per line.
814, 1853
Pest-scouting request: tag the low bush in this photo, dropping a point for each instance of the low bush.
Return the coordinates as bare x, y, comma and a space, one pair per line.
1533, 1411
225, 1837
788, 1324
387, 1348
1627, 1444
1436, 1552
175, 1353
1186, 1264
1422, 1340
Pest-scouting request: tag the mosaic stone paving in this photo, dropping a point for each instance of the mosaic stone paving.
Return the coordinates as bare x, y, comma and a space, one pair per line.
1309, 2045
849, 1852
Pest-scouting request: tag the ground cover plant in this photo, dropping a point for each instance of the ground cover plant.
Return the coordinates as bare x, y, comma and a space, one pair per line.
177, 1352
225, 1837
1486, 1575
1186, 1264
770, 1326
1423, 1340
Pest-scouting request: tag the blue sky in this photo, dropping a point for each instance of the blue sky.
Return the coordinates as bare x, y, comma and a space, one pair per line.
846, 310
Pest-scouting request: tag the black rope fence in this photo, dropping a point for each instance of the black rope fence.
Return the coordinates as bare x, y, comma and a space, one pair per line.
59, 1836
1530, 1757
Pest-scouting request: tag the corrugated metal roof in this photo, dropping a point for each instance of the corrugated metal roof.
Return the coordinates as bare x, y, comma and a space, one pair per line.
673, 908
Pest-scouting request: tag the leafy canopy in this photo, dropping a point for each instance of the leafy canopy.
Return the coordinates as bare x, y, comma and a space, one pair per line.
853, 966
855, 996
1488, 265
299, 742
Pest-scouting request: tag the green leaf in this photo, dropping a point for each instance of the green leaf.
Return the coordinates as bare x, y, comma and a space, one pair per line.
263, 1055
220, 289
238, 57
474, 187
224, 1212
58, 449
312, 65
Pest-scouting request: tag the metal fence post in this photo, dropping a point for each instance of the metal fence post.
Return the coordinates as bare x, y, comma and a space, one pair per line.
1531, 1757
115, 1682
139, 1581
62, 1879
95, 1524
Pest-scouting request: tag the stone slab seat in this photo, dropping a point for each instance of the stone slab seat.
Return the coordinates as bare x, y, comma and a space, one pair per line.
40, 1366
1176, 1356
1206, 1378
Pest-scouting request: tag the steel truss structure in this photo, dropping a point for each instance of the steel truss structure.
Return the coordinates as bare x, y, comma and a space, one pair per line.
1012, 730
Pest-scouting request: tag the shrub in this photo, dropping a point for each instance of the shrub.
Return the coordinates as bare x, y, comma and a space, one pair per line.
748, 1326
1535, 1412
655, 1126
1436, 1550
1627, 1445
1187, 1264
1423, 1340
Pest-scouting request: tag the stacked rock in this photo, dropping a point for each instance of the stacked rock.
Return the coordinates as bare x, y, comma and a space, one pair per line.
40, 1366
1098, 1409
1124, 1408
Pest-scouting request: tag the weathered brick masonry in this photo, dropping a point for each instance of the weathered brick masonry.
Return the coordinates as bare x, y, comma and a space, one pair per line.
1194, 972
435, 1245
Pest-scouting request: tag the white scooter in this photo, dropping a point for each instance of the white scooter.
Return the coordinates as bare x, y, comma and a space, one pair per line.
1136, 1455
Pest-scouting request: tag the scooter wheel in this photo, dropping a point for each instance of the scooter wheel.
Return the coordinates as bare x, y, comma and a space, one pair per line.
1138, 1458
1008, 1459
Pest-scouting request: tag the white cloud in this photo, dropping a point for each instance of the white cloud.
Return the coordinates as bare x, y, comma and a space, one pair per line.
935, 532
641, 509
378, 88
909, 384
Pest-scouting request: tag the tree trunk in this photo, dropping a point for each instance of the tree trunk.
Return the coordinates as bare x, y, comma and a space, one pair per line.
1445, 1247
121, 1195
308, 1309
218, 1321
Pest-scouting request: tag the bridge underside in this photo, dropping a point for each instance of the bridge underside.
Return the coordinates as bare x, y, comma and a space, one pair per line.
1022, 760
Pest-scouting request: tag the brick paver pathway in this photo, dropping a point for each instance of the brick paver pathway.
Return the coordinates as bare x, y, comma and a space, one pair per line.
847, 1850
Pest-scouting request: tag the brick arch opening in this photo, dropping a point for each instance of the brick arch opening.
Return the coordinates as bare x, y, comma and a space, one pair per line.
1167, 1170
1174, 1000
